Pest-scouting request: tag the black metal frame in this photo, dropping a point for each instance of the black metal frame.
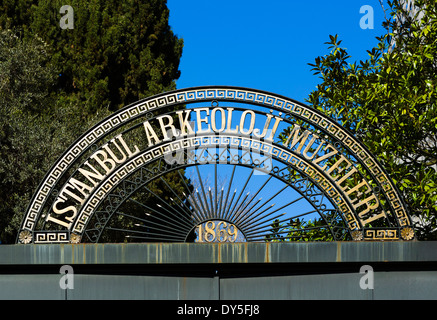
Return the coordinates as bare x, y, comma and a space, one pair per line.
133, 184
147, 107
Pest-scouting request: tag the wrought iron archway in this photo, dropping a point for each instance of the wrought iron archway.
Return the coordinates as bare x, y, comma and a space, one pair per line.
127, 178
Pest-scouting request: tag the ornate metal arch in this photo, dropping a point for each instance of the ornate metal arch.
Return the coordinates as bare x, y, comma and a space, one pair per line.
139, 177
108, 163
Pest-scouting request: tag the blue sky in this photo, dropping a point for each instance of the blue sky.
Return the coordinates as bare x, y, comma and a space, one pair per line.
266, 45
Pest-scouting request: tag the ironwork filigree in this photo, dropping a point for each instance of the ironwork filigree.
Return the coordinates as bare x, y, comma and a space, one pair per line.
385, 218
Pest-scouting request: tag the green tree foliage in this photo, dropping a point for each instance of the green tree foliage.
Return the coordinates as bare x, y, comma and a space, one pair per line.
330, 227
389, 102
300, 230
55, 83
117, 53
34, 128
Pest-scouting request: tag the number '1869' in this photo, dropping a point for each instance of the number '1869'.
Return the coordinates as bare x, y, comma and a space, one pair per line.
221, 231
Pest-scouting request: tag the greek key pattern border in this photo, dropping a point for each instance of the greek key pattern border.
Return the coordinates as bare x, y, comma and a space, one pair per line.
51, 237
207, 94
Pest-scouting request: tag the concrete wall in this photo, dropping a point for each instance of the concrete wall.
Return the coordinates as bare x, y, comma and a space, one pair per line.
243, 271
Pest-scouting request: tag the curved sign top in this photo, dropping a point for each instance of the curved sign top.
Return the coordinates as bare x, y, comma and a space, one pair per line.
105, 175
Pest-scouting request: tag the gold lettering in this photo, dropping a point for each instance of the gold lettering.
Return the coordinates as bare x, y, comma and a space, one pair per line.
347, 176
151, 134
275, 127
213, 120
234, 233
358, 187
104, 161
112, 155
64, 210
309, 145
210, 231
366, 202
326, 155
89, 175
265, 129
200, 120
229, 122
75, 184
220, 232
373, 218
336, 166
129, 152
57, 221
251, 123
184, 123
169, 125
296, 138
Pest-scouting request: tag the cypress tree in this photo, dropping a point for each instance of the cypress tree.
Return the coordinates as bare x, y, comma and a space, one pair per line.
118, 52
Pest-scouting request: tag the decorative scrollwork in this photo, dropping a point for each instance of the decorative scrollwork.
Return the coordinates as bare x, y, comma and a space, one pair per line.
150, 108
